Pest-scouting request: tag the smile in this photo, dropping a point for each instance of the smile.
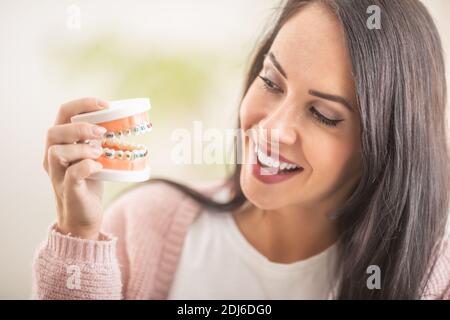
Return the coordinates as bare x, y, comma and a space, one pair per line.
273, 168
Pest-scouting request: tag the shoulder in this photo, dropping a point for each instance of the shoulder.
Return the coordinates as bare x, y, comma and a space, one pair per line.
150, 223
155, 207
151, 206
438, 286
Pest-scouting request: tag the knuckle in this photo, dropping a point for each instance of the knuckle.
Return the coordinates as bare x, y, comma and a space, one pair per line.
71, 173
82, 129
52, 152
55, 156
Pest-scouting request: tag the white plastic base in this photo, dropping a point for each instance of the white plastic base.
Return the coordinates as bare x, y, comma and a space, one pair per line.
117, 110
122, 175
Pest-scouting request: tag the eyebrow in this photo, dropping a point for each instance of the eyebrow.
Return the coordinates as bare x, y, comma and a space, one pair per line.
326, 96
331, 97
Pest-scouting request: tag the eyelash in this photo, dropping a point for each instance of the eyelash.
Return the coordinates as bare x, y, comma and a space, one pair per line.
269, 85
273, 88
322, 119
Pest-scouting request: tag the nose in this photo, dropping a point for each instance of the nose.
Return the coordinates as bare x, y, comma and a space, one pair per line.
279, 126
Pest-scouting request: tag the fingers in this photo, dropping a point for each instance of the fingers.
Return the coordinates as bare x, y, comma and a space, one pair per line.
72, 108
60, 157
73, 132
81, 170
64, 134
70, 133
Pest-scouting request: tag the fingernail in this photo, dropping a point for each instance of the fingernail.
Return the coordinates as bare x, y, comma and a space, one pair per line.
97, 151
99, 131
102, 103
95, 143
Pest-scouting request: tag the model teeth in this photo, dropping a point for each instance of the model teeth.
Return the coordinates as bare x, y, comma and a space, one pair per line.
114, 147
270, 162
124, 155
128, 155
109, 135
109, 153
136, 130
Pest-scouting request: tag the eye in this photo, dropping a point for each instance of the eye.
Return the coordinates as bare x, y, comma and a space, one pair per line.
322, 119
270, 85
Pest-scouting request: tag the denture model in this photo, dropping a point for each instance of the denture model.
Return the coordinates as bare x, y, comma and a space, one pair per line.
122, 160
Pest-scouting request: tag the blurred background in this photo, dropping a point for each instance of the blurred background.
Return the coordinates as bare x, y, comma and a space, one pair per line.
188, 57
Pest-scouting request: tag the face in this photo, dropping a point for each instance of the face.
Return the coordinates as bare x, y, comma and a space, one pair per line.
304, 101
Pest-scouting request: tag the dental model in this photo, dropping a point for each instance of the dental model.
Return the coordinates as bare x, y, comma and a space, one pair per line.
121, 159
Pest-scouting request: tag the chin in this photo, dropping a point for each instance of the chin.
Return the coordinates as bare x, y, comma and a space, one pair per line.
257, 194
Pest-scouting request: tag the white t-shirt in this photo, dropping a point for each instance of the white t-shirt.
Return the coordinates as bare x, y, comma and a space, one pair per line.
217, 262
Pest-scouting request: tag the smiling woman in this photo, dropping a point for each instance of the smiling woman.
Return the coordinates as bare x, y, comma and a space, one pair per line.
369, 135
359, 178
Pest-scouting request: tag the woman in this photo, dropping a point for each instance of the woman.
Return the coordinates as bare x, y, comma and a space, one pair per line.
358, 114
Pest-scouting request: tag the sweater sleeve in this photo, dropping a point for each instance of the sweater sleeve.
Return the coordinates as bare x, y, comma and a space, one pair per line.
142, 234
66, 267
70, 268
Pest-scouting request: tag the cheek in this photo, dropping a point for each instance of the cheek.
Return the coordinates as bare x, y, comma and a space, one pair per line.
336, 160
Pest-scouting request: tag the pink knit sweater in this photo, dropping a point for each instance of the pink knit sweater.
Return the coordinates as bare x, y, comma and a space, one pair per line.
143, 236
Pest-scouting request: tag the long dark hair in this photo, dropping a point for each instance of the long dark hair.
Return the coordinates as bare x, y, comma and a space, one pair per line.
397, 214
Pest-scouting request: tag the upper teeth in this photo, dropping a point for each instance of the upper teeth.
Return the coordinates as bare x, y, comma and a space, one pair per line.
270, 162
136, 130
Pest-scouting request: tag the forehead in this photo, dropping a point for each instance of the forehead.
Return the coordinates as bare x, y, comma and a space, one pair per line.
311, 47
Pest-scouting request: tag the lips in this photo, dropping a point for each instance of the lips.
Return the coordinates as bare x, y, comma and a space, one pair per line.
265, 176
276, 168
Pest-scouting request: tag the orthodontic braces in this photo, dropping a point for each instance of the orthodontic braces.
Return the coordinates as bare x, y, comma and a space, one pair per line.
136, 130
112, 143
129, 155
121, 119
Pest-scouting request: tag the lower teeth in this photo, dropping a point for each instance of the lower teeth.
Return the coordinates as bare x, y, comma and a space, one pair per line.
288, 170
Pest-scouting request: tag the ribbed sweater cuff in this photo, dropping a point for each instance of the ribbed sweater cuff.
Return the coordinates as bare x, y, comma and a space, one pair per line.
68, 247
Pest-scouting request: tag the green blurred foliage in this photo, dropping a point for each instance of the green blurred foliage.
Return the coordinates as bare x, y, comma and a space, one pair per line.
178, 82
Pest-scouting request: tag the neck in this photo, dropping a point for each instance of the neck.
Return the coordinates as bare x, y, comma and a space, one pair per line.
289, 234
